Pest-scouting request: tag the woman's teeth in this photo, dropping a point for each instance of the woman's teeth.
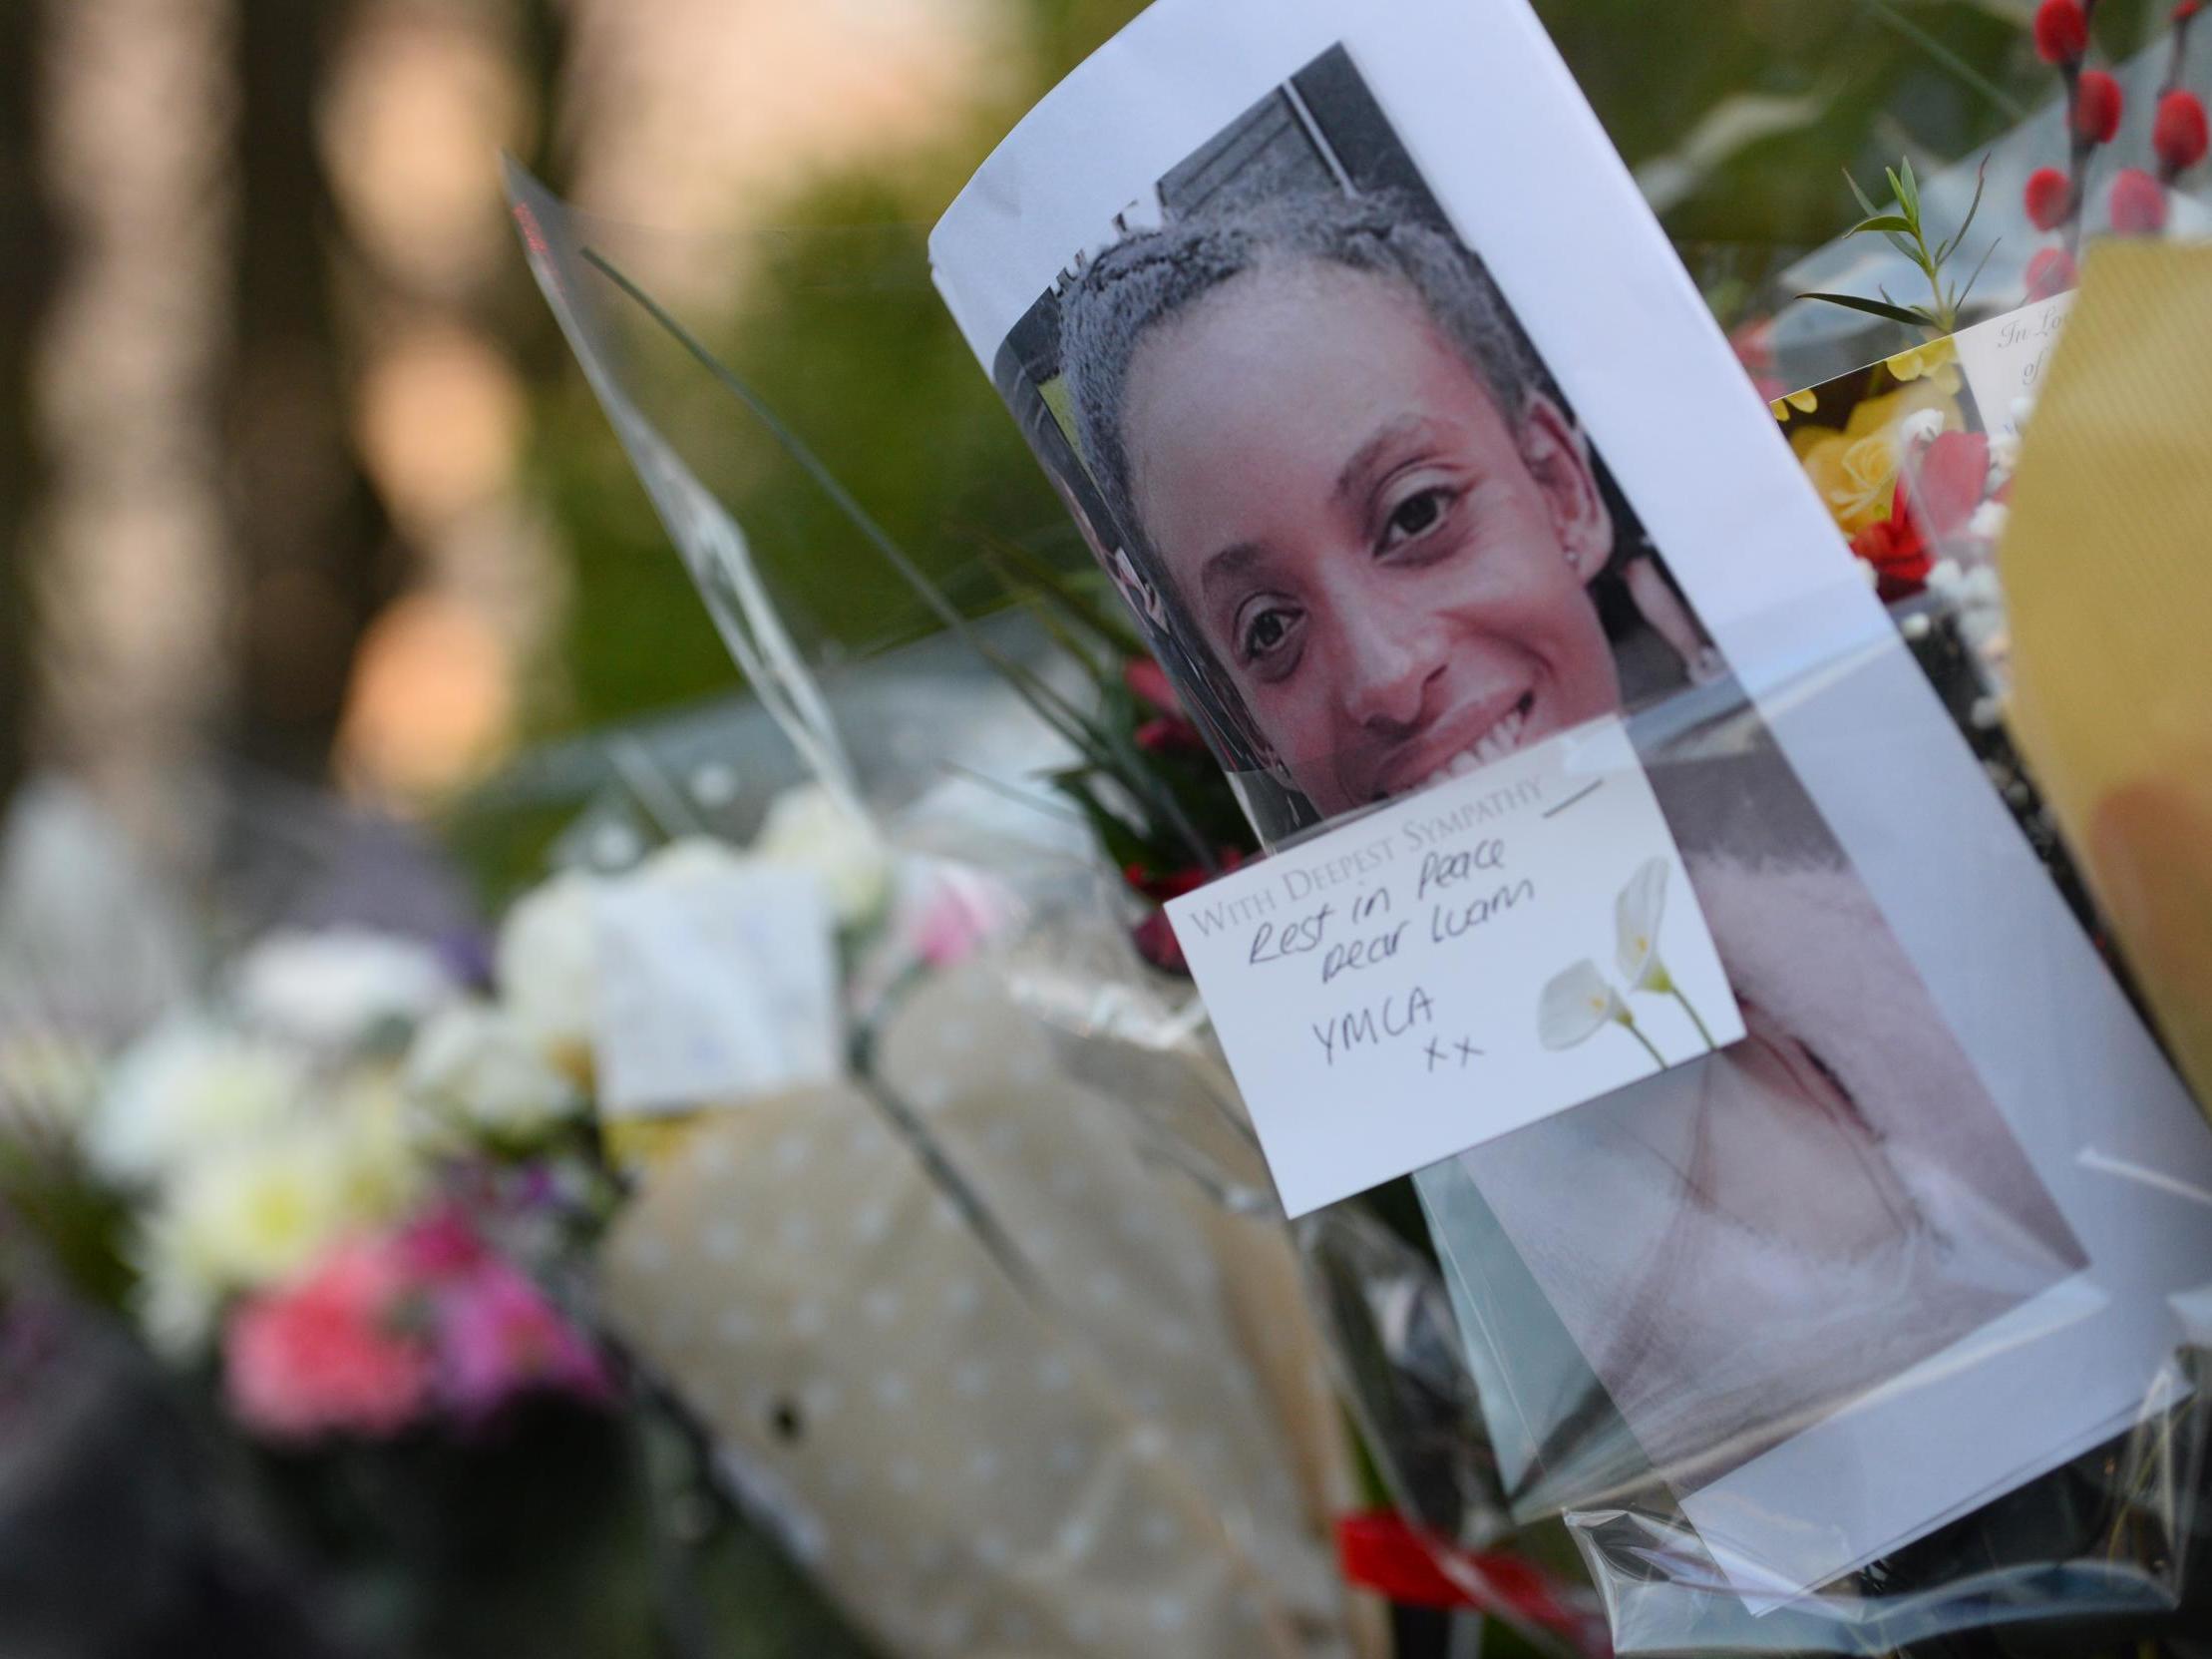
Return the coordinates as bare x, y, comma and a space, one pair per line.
1493, 745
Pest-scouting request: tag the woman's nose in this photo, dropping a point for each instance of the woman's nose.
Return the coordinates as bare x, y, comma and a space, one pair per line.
1390, 658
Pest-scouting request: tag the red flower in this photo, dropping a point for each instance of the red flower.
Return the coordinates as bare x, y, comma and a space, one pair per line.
2179, 133
2050, 199
1169, 734
1754, 348
1157, 944
2050, 273
1936, 495
1150, 682
2186, 10
2061, 31
2138, 204
2097, 106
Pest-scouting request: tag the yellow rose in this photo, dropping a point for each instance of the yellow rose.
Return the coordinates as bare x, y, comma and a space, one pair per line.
1937, 363
1855, 470
1856, 477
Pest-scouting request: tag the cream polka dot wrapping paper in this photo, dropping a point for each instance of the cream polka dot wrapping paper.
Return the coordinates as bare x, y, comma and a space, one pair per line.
1120, 1444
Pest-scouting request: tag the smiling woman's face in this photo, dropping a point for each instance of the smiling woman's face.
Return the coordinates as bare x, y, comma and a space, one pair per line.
1395, 578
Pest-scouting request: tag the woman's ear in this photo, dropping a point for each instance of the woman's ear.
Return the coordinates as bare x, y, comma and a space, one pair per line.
1558, 458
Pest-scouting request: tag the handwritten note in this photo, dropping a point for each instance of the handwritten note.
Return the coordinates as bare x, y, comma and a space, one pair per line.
713, 989
2003, 359
1457, 965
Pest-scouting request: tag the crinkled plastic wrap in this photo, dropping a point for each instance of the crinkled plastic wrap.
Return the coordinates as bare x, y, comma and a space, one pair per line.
996, 1379
1857, 1332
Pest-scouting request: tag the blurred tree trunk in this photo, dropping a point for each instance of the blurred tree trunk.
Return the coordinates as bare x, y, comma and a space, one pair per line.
26, 281
316, 552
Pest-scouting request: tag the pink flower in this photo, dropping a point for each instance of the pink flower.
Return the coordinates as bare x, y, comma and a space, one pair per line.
2061, 31
500, 1337
2138, 204
2180, 135
2097, 106
2051, 271
2050, 199
329, 1353
962, 911
439, 1245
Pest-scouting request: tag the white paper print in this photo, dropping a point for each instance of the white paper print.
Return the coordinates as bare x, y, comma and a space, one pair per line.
2003, 360
2004, 986
715, 987
1456, 965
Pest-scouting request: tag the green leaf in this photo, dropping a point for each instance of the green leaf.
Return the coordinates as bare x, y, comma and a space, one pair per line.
1872, 307
1866, 203
1881, 221
1909, 192
1977, 277
1981, 182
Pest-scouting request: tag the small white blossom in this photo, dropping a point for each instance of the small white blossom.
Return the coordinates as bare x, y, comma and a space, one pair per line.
335, 989
474, 1063
548, 967
188, 1087
252, 1214
810, 829
1922, 426
1989, 521
1636, 913
1576, 1006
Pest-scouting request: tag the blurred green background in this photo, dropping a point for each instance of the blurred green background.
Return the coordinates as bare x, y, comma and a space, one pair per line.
296, 478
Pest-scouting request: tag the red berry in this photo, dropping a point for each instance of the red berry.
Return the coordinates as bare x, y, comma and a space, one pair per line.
2179, 135
2050, 199
2061, 31
2138, 204
2050, 273
2096, 106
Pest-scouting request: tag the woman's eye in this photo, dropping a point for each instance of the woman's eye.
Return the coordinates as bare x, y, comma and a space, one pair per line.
1265, 631
1415, 516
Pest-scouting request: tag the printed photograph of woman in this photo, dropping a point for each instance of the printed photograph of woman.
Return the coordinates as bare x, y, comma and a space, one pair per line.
1315, 429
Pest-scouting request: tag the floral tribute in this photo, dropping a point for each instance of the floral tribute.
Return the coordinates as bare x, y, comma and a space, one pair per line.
302, 1197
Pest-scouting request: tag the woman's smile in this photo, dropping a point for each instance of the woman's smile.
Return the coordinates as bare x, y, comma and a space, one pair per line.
1493, 740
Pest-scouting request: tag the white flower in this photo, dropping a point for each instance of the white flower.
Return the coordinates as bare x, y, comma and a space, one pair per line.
1637, 915
336, 989
548, 967
2003, 455
1989, 521
1576, 1006
694, 861
473, 1063
254, 1210
1922, 426
250, 1214
188, 1087
808, 828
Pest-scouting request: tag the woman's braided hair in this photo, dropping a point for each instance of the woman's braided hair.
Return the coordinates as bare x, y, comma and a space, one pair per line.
1151, 278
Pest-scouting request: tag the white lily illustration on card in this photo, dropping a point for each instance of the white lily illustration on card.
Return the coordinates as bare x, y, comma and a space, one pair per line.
1581, 1002
1637, 914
